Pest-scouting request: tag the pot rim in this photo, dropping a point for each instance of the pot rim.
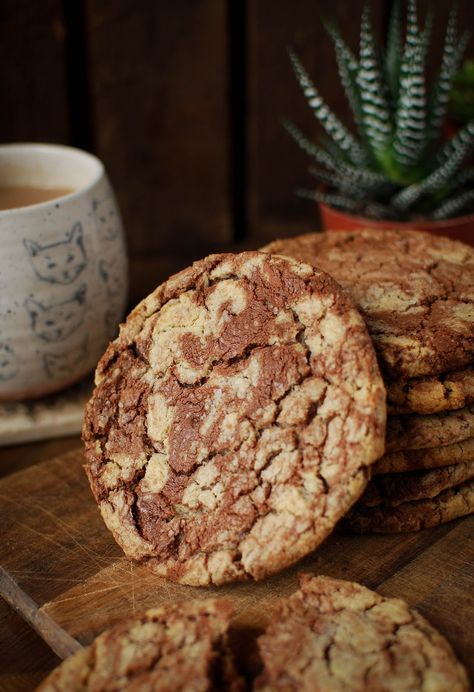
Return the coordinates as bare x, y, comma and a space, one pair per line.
417, 223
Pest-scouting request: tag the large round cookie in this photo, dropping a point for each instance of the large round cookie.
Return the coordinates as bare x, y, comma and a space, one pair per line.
415, 290
180, 647
393, 489
413, 516
340, 636
423, 459
234, 419
425, 432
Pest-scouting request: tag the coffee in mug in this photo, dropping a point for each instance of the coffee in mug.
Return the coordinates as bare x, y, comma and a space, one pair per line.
12, 197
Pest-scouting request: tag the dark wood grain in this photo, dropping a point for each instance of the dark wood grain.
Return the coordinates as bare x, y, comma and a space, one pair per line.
446, 591
58, 545
25, 659
17, 457
147, 273
61, 643
60, 553
33, 72
159, 92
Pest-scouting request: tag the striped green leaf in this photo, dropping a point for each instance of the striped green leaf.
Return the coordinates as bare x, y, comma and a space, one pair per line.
328, 145
441, 177
330, 122
376, 120
318, 153
341, 183
410, 139
348, 68
464, 140
376, 210
337, 201
372, 181
453, 206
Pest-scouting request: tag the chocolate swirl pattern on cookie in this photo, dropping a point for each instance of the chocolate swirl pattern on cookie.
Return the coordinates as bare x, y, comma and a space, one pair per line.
234, 419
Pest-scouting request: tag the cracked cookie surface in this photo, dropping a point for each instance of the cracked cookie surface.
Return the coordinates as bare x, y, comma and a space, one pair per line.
413, 516
425, 432
234, 419
180, 647
415, 290
340, 636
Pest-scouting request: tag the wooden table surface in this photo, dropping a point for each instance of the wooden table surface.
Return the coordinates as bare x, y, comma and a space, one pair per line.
24, 657
58, 552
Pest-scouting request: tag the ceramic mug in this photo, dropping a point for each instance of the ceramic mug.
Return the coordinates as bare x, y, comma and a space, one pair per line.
63, 270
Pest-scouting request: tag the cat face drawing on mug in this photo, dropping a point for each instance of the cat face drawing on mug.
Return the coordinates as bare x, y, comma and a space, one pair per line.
60, 365
61, 262
8, 364
57, 321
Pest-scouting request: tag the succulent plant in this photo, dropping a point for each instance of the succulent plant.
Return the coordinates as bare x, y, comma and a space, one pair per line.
399, 165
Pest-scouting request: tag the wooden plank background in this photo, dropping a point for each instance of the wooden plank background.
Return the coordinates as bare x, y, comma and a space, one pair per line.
183, 102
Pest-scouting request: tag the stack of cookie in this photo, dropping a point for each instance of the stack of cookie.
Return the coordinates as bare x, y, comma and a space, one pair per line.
416, 293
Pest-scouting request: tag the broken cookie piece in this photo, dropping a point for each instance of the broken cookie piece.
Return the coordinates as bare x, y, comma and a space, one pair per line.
340, 636
234, 420
181, 647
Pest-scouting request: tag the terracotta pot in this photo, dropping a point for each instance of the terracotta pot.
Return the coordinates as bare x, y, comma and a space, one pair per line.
460, 228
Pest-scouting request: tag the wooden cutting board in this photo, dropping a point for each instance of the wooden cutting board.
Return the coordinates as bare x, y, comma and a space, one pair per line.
63, 571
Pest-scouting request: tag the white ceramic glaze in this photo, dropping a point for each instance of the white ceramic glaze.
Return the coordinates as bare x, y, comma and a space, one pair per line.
63, 270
